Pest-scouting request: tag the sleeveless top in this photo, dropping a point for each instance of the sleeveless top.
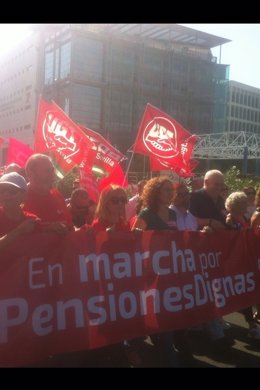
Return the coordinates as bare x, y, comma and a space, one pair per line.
154, 222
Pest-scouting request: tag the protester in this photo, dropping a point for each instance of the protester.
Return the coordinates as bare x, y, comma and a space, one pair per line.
111, 216
156, 215
207, 204
255, 218
133, 202
236, 205
250, 193
110, 212
255, 224
44, 200
13, 167
156, 198
197, 183
79, 207
181, 204
14, 222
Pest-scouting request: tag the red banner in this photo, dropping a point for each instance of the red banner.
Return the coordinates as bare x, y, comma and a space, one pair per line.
18, 152
58, 135
96, 290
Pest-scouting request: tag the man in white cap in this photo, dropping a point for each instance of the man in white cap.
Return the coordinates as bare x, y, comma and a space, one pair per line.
14, 222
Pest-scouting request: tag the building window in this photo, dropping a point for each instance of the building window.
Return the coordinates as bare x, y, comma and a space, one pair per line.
86, 105
87, 59
65, 55
57, 63
49, 63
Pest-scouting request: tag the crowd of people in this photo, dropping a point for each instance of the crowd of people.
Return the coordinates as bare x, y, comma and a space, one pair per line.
29, 203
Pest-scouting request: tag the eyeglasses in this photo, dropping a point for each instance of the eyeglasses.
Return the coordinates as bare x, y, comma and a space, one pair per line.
9, 190
117, 200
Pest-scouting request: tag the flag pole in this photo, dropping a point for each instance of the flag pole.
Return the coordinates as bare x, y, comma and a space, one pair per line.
133, 150
128, 167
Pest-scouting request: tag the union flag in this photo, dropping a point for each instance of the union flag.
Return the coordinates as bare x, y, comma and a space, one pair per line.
165, 141
60, 137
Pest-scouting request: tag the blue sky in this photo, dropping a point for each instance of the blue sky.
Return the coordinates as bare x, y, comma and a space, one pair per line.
243, 53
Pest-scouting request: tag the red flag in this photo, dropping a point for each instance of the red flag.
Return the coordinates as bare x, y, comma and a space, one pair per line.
183, 171
102, 153
58, 135
2, 140
18, 152
116, 177
165, 140
88, 181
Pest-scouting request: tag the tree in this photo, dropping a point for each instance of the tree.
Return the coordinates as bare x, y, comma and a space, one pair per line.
236, 182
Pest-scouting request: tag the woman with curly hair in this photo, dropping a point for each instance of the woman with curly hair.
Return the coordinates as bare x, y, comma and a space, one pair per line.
156, 215
156, 198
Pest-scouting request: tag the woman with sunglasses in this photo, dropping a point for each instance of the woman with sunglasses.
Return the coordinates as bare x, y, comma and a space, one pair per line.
14, 222
110, 212
111, 216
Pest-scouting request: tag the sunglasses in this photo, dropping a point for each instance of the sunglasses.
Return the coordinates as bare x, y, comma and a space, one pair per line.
9, 190
117, 200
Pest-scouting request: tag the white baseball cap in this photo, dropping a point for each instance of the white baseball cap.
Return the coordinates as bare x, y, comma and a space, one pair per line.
14, 179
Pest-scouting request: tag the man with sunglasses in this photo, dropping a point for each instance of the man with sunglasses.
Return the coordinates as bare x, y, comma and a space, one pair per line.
14, 222
181, 204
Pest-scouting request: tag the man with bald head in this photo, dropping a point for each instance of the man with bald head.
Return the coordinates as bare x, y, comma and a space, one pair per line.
42, 199
207, 204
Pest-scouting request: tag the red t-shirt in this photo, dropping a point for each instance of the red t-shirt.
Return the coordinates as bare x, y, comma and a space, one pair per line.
49, 208
100, 226
7, 225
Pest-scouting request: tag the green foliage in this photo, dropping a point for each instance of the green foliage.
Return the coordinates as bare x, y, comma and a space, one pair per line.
236, 182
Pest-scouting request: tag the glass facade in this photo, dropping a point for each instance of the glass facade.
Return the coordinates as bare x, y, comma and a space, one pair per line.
87, 59
65, 59
49, 65
112, 80
221, 83
57, 62
85, 105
